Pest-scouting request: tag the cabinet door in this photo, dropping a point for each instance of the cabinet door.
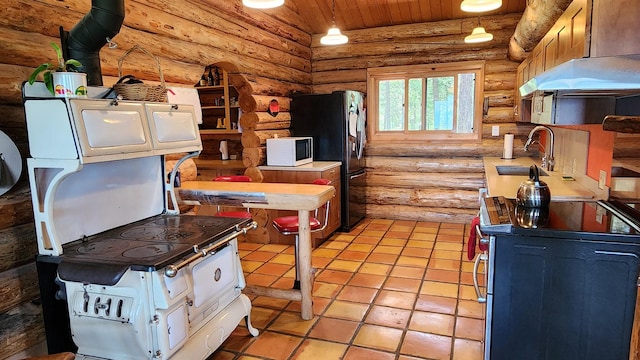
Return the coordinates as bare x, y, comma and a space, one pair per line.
571, 32
538, 59
550, 45
335, 213
517, 99
563, 299
527, 70
615, 28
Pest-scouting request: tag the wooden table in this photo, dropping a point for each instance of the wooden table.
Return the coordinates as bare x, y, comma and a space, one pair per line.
300, 197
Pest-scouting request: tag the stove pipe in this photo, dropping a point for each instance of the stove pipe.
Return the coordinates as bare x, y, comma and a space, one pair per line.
89, 35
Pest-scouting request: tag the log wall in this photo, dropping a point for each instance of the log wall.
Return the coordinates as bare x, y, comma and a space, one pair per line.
269, 57
430, 181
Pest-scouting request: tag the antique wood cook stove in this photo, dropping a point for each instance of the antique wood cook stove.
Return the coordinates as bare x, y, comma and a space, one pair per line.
122, 274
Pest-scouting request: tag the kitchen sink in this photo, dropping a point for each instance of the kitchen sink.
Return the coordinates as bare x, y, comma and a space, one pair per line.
516, 170
617, 171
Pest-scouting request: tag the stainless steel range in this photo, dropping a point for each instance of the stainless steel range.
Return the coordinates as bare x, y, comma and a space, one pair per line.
122, 274
561, 282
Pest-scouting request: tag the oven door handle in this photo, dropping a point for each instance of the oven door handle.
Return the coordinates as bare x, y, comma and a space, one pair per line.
482, 298
172, 270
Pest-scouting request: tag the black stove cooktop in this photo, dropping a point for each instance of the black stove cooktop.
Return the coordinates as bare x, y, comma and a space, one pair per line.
560, 218
145, 245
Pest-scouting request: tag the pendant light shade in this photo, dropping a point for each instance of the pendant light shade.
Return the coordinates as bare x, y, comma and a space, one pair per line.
478, 35
334, 36
262, 4
480, 5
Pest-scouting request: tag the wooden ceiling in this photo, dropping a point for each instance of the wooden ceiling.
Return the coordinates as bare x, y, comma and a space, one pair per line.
362, 14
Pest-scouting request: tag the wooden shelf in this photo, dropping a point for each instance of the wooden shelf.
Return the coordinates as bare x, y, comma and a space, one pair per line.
219, 87
228, 114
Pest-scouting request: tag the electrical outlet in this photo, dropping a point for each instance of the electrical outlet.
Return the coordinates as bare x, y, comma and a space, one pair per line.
602, 180
495, 130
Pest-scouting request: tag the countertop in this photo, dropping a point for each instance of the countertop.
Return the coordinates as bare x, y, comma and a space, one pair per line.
219, 164
507, 185
626, 186
256, 195
313, 166
628, 163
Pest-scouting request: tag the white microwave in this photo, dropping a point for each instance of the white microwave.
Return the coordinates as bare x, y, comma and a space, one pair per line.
290, 151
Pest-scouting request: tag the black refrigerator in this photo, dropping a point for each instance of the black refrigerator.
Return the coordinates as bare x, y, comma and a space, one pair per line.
337, 123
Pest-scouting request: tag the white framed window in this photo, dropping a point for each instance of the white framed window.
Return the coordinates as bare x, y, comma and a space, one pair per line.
426, 102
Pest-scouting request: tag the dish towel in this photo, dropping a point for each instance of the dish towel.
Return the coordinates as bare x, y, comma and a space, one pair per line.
471, 244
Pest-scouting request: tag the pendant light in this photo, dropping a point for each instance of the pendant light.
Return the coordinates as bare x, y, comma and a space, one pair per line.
480, 5
334, 37
262, 4
478, 35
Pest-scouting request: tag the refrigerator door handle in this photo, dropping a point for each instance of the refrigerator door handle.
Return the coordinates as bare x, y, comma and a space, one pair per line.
359, 145
356, 175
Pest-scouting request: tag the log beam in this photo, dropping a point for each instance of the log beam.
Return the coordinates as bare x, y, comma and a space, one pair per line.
538, 17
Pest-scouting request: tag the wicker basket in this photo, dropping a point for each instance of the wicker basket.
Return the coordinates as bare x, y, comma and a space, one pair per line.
141, 92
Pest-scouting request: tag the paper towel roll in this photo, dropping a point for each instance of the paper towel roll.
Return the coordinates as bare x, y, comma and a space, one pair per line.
507, 152
224, 150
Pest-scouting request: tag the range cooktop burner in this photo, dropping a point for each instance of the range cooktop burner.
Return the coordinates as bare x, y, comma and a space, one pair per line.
148, 251
150, 244
158, 233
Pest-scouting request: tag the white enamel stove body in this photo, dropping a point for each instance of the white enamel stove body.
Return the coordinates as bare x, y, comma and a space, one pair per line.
148, 315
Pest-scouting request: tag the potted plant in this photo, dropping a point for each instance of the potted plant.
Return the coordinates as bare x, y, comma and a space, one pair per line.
62, 78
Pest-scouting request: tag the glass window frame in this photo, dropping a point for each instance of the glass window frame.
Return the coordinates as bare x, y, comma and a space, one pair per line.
375, 75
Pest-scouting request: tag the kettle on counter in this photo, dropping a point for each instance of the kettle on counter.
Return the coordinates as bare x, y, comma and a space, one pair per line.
533, 193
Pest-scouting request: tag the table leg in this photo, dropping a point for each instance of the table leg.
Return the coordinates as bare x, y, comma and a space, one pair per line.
304, 264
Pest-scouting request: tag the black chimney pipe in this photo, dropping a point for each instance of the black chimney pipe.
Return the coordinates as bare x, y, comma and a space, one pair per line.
89, 35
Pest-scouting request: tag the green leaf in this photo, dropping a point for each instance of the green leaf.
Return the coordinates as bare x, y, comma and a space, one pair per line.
58, 54
48, 81
72, 62
37, 71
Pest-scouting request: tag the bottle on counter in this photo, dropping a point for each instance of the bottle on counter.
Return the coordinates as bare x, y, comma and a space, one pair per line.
210, 77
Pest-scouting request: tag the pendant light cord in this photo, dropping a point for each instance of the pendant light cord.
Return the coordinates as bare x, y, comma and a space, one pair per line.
333, 12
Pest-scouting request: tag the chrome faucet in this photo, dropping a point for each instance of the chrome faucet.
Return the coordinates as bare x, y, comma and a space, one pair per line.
548, 161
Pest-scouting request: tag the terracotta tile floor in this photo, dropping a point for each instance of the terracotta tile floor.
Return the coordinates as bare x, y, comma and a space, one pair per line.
387, 290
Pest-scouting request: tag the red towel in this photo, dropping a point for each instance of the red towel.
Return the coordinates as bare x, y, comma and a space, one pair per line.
471, 244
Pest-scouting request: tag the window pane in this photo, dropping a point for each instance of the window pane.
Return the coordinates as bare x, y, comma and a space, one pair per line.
391, 105
466, 99
439, 104
415, 104
425, 102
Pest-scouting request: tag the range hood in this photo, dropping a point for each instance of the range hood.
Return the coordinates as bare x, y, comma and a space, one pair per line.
604, 76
